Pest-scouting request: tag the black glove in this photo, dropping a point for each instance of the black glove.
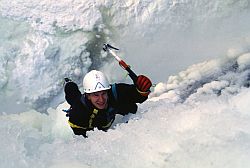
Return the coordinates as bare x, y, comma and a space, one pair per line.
67, 80
143, 85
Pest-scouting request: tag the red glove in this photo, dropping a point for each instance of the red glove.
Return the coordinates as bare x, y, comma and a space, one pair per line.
143, 84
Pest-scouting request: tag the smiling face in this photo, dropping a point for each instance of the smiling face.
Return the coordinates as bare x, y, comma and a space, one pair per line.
99, 99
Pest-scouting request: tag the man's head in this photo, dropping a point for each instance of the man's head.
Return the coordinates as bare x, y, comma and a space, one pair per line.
95, 85
99, 99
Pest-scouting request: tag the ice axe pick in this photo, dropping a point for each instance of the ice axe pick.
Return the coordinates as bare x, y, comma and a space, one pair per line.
109, 48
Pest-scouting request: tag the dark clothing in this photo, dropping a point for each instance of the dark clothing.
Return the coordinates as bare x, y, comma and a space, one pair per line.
83, 116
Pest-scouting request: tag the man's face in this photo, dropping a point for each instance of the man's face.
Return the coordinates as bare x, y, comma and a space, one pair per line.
99, 99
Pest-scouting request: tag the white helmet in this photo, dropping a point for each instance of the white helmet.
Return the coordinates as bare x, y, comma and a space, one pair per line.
95, 81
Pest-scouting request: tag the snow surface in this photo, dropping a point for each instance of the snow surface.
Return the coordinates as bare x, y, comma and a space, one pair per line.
209, 129
197, 114
65, 39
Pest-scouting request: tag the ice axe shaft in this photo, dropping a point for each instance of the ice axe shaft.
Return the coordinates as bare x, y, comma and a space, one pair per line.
123, 64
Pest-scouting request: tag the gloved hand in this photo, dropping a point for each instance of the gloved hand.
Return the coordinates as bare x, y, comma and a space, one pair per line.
143, 85
66, 80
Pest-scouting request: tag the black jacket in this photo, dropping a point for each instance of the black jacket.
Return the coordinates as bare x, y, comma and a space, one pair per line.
122, 99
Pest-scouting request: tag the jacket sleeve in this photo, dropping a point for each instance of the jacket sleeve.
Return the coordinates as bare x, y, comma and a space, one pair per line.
129, 94
72, 96
72, 93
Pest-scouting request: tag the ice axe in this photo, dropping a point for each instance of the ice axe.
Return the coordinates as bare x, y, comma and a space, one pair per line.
109, 48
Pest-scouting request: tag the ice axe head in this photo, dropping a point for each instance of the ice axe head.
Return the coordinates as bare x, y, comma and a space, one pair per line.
107, 47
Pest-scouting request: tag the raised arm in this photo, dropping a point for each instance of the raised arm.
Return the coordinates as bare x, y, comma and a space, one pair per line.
72, 92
